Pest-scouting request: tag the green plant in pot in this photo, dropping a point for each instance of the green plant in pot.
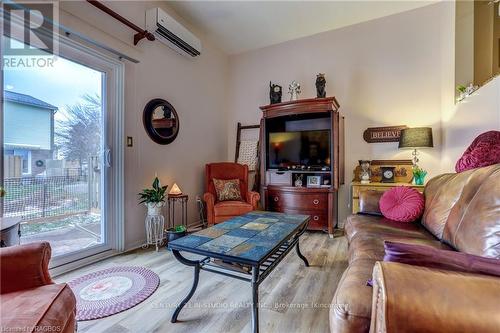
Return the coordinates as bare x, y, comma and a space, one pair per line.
154, 198
419, 175
176, 232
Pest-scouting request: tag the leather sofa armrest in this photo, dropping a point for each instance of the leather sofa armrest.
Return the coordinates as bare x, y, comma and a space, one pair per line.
253, 198
417, 299
369, 202
24, 266
209, 199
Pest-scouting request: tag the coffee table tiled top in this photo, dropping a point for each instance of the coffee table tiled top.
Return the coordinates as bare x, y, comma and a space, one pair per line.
247, 239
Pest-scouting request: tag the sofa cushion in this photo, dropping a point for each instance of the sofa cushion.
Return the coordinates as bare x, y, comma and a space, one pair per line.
232, 208
427, 256
351, 305
402, 204
44, 306
366, 246
380, 226
473, 224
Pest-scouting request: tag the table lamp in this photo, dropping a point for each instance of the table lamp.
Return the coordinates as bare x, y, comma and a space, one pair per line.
417, 137
175, 190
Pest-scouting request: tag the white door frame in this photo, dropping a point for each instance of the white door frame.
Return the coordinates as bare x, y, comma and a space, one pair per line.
113, 114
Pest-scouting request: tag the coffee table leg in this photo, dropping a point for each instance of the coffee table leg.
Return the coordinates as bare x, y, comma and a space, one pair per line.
301, 256
255, 300
196, 265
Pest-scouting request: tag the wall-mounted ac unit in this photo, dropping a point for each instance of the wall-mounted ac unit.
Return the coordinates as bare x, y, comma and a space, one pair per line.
172, 33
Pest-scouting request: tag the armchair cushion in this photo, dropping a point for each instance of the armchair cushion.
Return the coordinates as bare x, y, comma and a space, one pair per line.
232, 208
52, 305
227, 190
426, 256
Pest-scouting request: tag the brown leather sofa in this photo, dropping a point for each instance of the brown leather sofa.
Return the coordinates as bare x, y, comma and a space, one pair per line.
30, 301
221, 211
462, 213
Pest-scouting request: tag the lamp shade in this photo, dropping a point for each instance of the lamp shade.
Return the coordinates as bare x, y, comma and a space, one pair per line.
417, 137
175, 190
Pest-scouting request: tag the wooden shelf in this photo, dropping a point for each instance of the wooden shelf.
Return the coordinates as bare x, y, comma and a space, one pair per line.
299, 189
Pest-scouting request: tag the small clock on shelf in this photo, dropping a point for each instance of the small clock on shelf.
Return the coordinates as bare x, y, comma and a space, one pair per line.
387, 174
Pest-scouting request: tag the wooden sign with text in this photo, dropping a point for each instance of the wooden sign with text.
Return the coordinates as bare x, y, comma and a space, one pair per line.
383, 134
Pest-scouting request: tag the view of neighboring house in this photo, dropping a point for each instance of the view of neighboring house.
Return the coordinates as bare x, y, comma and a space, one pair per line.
27, 147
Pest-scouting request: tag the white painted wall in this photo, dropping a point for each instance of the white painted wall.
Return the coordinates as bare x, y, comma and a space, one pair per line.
462, 123
389, 71
195, 87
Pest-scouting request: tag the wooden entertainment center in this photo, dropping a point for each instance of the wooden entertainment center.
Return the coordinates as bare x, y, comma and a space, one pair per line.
303, 140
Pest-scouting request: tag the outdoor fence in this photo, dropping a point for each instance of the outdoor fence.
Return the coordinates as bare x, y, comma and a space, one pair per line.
44, 197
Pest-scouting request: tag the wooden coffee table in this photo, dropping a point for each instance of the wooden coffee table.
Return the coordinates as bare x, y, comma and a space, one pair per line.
246, 247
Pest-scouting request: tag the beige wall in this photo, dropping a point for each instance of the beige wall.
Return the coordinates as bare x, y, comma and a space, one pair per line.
383, 72
195, 87
478, 113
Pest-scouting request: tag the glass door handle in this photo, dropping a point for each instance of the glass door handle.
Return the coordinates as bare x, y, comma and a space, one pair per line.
107, 158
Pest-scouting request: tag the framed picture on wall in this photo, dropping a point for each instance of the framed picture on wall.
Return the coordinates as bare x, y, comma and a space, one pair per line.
313, 181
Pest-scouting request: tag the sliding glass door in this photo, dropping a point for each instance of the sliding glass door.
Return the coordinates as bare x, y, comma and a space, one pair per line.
61, 125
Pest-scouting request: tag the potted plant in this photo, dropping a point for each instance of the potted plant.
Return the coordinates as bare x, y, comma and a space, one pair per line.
419, 175
154, 197
176, 232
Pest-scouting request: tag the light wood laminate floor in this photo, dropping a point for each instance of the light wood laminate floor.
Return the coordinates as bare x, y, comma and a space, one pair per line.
294, 298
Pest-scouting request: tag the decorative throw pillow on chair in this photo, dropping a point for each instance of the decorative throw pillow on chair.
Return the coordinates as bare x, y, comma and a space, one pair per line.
227, 190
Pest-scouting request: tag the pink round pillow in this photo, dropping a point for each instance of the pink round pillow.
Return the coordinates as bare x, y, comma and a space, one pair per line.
402, 204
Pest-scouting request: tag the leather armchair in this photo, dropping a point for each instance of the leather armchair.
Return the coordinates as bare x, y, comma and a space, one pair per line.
28, 295
406, 299
221, 211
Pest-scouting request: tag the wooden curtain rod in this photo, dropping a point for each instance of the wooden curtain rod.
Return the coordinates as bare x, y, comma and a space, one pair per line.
141, 33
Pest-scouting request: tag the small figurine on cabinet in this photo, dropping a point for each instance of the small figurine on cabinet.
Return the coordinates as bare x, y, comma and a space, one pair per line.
365, 171
294, 90
298, 181
320, 86
275, 92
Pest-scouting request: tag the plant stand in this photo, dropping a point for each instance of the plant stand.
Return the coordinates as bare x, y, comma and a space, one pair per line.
155, 226
182, 199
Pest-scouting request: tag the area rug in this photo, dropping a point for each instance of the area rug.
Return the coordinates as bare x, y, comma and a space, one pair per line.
109, 291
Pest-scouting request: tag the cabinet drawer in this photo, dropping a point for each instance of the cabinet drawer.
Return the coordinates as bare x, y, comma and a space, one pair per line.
318, 221
312, 201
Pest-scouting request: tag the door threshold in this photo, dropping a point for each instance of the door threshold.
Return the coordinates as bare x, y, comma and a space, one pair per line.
73, 265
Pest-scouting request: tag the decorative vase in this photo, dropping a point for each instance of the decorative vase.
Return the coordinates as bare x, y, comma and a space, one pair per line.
154, 208
419, 180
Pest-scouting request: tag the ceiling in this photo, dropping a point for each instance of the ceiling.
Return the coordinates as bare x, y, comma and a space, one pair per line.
239, 26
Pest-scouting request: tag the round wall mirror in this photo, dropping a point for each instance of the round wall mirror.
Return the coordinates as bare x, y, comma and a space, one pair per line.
161, 121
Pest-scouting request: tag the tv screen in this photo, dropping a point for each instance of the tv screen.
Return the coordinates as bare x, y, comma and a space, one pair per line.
308, 148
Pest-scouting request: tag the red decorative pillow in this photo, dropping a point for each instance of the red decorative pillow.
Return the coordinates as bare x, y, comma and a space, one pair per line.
402, 204
483, 151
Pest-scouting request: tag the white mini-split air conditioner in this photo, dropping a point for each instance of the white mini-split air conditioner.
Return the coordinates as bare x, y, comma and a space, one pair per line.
172, 33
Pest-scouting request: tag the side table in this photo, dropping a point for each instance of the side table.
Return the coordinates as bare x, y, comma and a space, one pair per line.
10, 231
357, 187
173, 199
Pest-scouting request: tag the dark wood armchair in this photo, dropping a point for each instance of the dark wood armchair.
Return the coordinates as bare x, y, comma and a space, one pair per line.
221, 211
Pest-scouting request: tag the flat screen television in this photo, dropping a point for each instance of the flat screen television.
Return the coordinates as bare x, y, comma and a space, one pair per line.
297, 148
